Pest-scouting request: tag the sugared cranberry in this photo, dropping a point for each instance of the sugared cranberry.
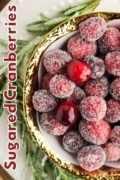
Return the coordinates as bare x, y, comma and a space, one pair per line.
97, 87
93, 108
110, 41
115, 89
43, 101
92, 28
113, 111
61, 86
112, 63
49, 123
91, 157
46, 80
66, 113
72, 141
115, 135
95, 132
78, 71
55, 60
112, 152
97, 66
79, 48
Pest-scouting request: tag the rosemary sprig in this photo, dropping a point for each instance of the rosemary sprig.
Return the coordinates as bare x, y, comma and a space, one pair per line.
41, 166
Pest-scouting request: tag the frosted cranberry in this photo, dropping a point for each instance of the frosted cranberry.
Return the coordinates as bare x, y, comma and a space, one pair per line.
97, 87
93, 108
46, 80
49, 123
92, 28
112, 152
72, 141
97, 66
115, 89
55, 60
66, 113
95, 132
112, 63
78, 71
43, 101
113, 111
91, 157
61, 86
115, 135
110, 41
79, 48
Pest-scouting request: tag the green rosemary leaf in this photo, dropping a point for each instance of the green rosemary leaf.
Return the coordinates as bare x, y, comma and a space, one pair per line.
56, 21
3, 42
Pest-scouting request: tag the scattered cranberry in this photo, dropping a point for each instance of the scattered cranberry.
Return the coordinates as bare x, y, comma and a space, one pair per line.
92, 28
46, 80
93, 108
79, 48
66, 113
91, 157
115, 89
43, 101
72, 142
78, 71
115, 135
95, 132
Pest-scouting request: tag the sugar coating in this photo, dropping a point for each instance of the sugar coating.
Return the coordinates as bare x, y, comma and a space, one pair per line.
49, 123
79, 48
92, 28
110, 41
93, 108
95, 132
112, 63
72, 141
61, 86
91, 157
55, 60
43, 101
112, 152
46, 80
97, 87
113, 111
77, 95
97, 66
115, 135
115, 89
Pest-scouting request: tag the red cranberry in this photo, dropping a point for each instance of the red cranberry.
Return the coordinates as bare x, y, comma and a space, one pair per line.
78, 71
115, 135
66, 113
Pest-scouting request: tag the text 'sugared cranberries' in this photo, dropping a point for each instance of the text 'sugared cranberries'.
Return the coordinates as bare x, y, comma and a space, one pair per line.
43, 101
77, 95
97, 66
49, 123
115, 89
55, 60
78, 71
61, 86
113, 111
92, 28
110, 41
115, 135
112, 63
97, 87
46, 80
72, 141
112, 152
91, 157
66, 113
79, 48
93, 108
95, 132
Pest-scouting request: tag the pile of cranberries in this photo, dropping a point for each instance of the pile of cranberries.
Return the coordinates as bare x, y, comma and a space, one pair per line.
79, 98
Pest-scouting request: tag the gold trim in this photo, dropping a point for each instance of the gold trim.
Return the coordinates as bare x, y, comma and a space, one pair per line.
31, 85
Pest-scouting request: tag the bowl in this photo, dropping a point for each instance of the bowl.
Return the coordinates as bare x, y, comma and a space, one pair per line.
50, 144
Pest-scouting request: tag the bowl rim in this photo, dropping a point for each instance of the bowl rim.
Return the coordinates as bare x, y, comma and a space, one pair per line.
29, 86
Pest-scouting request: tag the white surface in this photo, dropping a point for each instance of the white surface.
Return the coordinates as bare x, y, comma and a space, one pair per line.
27, 11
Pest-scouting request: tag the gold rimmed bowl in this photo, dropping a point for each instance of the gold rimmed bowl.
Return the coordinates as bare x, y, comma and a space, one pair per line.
50, 145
